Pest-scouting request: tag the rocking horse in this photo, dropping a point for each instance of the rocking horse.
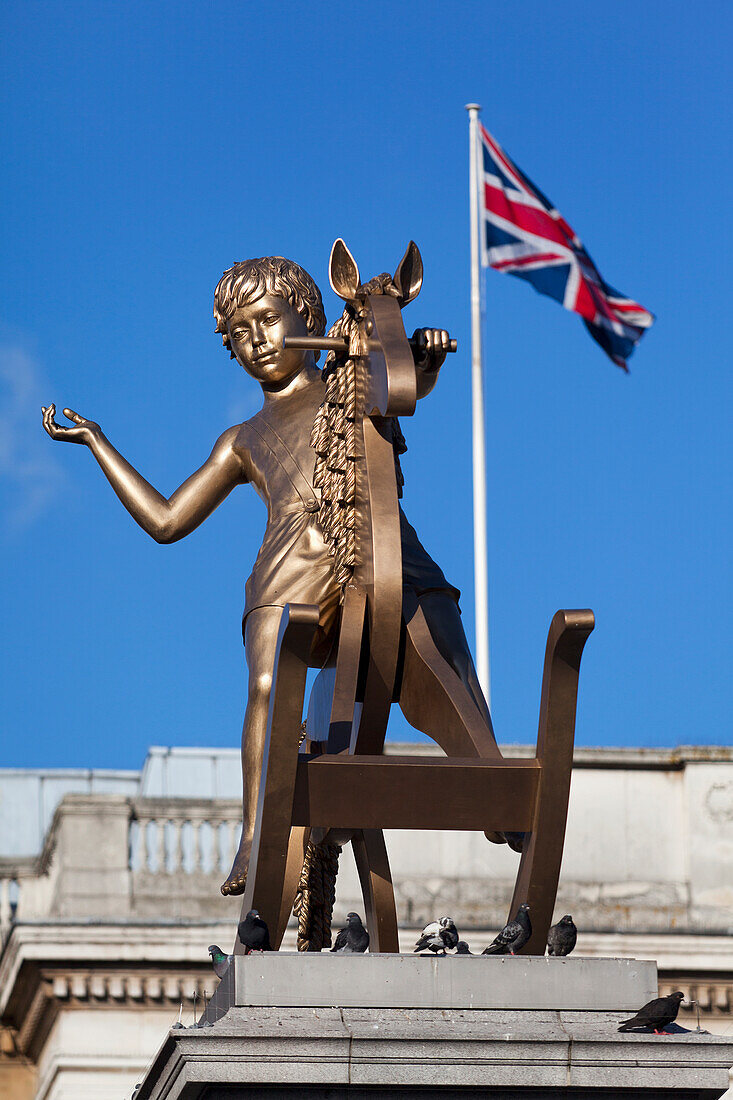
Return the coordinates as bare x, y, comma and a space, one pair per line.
339, 785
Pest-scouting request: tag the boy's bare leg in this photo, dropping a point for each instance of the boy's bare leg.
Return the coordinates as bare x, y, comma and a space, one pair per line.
261, 630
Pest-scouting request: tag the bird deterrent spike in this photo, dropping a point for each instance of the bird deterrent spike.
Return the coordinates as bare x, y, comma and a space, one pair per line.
180, 1013
194, 996
697, 1012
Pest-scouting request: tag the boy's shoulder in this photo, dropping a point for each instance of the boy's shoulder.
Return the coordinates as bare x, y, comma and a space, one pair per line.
240, 434
228, 439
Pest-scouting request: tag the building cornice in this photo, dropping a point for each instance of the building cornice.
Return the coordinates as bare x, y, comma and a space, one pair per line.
50, 966
653, 759
95, 944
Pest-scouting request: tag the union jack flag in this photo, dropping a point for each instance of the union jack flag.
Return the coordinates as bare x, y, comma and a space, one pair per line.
525, 235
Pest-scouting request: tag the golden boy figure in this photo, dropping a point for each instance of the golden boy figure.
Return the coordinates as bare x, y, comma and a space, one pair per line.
256, 304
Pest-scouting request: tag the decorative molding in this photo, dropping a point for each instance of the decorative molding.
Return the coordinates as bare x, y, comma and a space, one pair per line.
73, 987
49, 990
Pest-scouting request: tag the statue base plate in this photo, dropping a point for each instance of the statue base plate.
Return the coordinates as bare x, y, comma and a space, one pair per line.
327, 1027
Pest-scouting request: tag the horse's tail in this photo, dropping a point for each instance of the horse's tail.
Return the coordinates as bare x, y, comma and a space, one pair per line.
316, 893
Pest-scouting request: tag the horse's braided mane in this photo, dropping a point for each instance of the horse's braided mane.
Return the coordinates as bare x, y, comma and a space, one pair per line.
336, 436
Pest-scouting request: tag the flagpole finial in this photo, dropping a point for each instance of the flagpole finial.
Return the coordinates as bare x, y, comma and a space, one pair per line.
473, 106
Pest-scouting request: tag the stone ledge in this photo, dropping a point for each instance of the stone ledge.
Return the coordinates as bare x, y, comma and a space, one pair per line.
487, 1052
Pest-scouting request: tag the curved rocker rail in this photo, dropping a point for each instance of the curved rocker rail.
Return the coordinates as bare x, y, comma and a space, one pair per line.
370, 793
539, 869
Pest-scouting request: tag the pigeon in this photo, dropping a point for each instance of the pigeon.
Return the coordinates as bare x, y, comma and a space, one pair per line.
512, 936
656, 1014
449, 932
354, 938
562, 936
219, 961
430, 937
253, 933
462, 948
437, 936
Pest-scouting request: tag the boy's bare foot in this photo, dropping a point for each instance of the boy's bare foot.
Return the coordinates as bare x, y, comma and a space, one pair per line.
236, 880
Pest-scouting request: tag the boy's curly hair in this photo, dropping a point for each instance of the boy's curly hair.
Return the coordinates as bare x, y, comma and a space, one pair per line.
248, 280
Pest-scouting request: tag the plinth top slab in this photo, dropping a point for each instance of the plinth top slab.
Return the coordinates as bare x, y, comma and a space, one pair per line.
315, 980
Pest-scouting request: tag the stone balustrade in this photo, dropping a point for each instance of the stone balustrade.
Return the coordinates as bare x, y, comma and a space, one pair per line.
112, 856
19, 887
173, 836
180, 849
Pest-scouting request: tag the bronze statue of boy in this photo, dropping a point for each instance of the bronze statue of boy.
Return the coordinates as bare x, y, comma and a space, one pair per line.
256, 304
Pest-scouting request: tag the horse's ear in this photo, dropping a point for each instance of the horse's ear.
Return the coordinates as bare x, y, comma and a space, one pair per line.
343, 273
408, 276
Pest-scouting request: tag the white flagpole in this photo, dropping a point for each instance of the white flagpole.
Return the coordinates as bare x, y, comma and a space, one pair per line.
480, 552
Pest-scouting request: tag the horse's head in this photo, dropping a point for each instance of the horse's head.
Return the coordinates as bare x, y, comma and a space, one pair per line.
379, 333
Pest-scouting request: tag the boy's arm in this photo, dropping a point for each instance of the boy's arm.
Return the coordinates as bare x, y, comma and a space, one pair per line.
431, 345
164, 520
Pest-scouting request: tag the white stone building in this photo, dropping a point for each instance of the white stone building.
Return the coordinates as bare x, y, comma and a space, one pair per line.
109, 896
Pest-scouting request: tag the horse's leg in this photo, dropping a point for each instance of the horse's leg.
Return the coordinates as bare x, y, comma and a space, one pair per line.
372, 864
297, 845
439, 691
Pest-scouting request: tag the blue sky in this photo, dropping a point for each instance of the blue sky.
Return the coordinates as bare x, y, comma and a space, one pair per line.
151, 145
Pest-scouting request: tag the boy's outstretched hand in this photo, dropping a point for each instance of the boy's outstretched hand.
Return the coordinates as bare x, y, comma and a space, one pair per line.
82, 432
431, 347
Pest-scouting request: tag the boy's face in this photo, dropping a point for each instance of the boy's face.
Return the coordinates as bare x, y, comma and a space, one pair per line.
256, 334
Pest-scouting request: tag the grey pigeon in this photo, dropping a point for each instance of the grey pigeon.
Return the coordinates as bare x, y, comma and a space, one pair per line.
462, 948
448, 932
656, 1014
513, 935
562, 936
437, 936
354, 938
219, 960
253, 933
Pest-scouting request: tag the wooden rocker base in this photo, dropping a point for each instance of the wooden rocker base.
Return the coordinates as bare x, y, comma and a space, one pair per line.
369, 793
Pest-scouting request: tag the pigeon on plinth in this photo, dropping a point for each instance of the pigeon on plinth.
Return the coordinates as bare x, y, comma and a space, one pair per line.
430, 939
253, 933
438, 936
354, 938
656, 1014
219, 960
462, 948
513, 935
562, 937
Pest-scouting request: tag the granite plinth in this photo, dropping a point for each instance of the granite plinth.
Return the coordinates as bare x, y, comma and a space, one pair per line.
440, 1045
